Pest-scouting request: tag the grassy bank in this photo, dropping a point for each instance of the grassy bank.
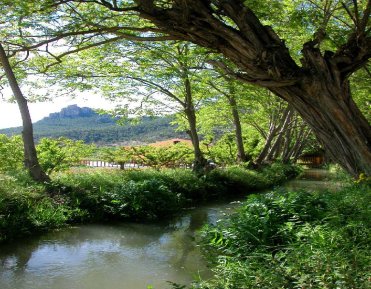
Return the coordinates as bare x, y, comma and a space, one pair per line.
293, 240
104, 195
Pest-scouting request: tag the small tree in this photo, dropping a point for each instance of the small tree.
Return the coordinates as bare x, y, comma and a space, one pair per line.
62, 153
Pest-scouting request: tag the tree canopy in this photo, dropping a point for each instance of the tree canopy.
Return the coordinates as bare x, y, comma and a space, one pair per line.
303, 51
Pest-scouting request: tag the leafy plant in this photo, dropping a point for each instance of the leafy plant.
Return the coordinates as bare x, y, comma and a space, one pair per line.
25, 209
60, 154
11, 154
293, 240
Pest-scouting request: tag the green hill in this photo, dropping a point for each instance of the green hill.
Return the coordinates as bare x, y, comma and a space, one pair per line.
85, 124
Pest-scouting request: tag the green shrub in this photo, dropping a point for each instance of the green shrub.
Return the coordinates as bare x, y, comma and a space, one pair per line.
278, 173
149, 199
11, 154
60, 154
140, 195
25, 209
293, 240
237, 180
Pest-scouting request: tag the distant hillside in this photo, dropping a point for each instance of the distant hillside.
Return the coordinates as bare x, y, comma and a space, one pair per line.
85, 124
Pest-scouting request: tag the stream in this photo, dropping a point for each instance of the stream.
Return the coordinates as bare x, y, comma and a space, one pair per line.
123, 255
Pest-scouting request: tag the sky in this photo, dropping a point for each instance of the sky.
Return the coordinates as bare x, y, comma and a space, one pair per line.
10, 116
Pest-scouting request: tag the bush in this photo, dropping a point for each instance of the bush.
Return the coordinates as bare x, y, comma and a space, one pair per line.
60, 154
25, 209
143, 195
119, 194
147, 200
11, 154
237, 180
293, 240
278, 173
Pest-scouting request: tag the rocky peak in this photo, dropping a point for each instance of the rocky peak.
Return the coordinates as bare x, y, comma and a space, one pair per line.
73, 111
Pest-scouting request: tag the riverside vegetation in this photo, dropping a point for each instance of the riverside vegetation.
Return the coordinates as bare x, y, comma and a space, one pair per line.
293, 240
147, 195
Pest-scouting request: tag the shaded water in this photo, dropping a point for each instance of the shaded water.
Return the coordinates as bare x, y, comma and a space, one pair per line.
313, 180
127, 256
120, 256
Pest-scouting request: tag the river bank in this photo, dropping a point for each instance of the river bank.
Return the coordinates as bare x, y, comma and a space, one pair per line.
105, 196
293, 239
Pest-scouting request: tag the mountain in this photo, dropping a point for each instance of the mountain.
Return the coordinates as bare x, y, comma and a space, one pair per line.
83, 123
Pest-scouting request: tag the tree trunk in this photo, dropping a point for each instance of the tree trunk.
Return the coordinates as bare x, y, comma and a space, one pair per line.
263, 154
287, 146
30, 156
200, 162
241, 155
279, 121
336, 121
300, 143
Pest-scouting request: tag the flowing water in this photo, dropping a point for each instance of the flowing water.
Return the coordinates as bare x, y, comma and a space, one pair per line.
119, 256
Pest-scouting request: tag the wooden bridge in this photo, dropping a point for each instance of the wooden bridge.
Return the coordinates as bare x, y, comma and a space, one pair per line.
312, 160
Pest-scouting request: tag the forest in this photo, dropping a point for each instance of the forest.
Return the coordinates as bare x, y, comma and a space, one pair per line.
260, 90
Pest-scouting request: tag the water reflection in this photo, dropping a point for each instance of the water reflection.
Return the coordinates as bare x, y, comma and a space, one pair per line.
129, 256
313, 180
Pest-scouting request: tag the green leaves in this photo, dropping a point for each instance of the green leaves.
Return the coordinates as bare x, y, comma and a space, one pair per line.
293, 240
60, 154
11, 154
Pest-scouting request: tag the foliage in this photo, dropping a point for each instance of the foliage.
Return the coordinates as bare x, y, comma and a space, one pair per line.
25, 209
223, 151
54, 154
137, 195
360, 84
60, 154
278, 173
103, 195
172, 156
113, 59
11, 154
117, 194
157, 157
293, 240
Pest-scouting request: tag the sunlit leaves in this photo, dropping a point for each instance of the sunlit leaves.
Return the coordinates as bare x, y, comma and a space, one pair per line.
11, 153
60, 154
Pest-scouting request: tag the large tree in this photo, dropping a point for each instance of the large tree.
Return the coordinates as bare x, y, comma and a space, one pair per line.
251, 35
231, 90
318, 88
